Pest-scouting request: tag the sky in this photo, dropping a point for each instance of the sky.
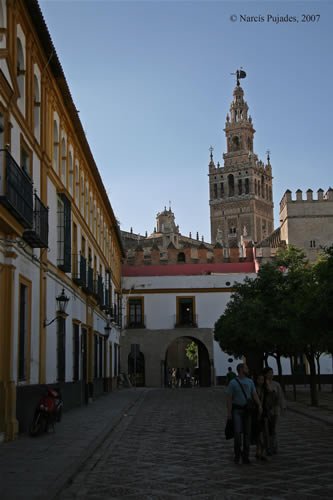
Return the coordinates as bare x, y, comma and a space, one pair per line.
152, 82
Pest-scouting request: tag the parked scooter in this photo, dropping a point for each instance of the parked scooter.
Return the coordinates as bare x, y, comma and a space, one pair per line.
48, 411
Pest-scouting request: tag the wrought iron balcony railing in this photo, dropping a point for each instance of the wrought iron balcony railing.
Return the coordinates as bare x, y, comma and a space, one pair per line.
186, 321
38, 236
138, 322
16, 191
79, 270
89, 285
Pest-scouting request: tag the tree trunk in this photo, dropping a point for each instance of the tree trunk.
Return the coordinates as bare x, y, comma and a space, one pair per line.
254, 361
318, 371
313, 385
293, 377
279, 366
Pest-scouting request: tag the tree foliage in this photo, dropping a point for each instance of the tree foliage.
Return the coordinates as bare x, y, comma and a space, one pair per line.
287, 309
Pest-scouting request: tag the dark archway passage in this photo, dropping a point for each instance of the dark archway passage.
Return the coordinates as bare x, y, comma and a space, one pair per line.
175, 357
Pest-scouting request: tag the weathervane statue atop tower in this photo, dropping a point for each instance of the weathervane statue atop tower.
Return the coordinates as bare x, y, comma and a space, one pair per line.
240, 73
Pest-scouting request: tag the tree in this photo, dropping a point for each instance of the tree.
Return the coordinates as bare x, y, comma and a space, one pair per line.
191, 352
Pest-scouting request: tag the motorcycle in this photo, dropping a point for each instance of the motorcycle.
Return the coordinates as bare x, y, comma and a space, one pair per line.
47, 412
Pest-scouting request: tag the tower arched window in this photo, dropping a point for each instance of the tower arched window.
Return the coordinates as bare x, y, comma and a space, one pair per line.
222, 190
63, 160
267, 196
247, 186
231, 185
240, 187
55, 145
255, 186
262, 186
215, 190
36, 108
259, 192
235, 143
70, 172
270, 194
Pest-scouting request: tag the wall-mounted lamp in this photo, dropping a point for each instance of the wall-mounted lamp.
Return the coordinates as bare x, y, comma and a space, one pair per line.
62, 302
108, 326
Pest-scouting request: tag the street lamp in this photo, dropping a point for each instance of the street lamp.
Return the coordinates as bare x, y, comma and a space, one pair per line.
62, 302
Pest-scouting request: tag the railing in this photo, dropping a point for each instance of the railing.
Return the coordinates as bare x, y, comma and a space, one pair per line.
89, 286
100, 291
16, 189
79, 272
38, 236
186, 321
135, 322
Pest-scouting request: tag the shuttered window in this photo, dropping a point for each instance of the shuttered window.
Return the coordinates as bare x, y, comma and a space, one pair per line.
64, 242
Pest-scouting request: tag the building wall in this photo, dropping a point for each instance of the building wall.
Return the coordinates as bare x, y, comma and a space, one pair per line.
160, 294
41, 133
307, 222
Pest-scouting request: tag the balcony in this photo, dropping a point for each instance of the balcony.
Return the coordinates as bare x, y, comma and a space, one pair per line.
138, 322
16, 192
88, 287
38, 236
79, 272
105, 305
186, 321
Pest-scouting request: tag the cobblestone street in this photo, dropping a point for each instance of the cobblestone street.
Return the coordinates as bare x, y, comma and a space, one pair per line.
171, 445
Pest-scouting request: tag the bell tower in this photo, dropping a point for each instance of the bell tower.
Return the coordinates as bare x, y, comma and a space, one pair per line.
241, 202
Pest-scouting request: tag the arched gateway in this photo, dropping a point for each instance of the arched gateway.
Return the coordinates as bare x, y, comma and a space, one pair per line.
156, 348
198, 365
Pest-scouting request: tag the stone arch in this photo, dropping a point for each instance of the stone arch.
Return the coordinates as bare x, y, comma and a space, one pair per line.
203, 369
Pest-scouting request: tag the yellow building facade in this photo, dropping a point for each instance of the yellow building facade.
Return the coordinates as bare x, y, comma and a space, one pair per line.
58, 233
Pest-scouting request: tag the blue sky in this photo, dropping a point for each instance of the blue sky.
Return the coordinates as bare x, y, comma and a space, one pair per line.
152, 83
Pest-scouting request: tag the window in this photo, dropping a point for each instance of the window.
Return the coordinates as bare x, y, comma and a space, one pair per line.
24, 330
63, 160
255, 186
76, 351
26, 158
313, 244
181, 257
20, 71
231, 185
61, 349
135, 313
55, 145
247, 186
2, 24
70, 172
215, 190
64, 234
95, 356
222, 190
240, 186
77, 184
100, 357
36, 112
185, 312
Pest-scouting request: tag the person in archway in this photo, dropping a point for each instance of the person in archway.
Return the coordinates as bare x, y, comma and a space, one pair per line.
277, 403
241, 392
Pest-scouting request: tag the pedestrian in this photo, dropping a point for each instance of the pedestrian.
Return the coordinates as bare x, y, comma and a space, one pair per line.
182, 377
178, 377
259, 421
188, 377
230, 375
241, 392
275, 403
173, 378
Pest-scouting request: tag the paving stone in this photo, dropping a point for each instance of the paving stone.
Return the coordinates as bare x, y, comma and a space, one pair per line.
173, 446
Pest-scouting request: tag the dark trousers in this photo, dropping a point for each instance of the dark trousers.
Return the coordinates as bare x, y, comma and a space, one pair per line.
242, 428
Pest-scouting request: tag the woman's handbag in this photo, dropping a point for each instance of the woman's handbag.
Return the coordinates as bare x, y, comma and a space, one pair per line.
229, 429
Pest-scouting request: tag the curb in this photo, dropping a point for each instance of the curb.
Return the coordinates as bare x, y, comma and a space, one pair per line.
319, 418
67, 476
